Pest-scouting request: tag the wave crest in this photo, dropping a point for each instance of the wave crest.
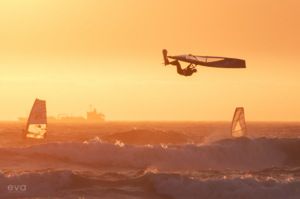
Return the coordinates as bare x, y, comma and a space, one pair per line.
242, 154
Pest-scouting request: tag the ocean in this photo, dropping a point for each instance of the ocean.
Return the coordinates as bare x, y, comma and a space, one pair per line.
130, 160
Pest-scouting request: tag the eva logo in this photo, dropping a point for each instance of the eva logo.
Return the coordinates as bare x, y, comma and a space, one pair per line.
17, 188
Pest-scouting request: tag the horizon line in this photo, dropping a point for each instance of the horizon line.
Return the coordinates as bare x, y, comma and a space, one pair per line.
108, 121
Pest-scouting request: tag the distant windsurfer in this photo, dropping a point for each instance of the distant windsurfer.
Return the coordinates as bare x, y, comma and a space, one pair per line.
188, 71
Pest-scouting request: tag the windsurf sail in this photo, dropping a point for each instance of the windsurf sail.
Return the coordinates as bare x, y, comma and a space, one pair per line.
37, 122
238, 126
219, 62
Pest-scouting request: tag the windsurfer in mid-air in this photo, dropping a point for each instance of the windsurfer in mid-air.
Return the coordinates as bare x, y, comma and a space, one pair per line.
188, 71
195, 61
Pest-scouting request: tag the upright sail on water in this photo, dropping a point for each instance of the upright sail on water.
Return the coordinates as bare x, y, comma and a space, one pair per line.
238, 126
37, 122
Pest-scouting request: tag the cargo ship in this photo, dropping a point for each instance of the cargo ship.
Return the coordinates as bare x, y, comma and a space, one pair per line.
92, 116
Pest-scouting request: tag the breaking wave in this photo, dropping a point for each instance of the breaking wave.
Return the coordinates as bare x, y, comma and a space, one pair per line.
239, 154
138, 136
148, 185
179, 187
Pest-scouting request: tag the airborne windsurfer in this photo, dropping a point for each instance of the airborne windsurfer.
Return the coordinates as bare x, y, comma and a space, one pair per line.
195, 61
188, 71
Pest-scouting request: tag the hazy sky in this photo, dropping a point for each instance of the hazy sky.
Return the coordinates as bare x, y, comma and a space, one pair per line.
108, 53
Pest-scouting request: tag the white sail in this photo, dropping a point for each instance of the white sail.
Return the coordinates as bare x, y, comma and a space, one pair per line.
238, 126
37, 121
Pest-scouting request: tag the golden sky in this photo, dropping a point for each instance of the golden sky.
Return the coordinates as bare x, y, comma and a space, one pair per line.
108, 53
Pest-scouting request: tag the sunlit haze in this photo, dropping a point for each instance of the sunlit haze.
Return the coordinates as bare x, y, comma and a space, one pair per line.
108, 54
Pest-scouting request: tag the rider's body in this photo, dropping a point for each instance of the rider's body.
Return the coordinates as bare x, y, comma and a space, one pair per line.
188, 71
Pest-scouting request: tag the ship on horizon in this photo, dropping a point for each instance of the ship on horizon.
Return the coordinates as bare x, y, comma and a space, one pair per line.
92, 116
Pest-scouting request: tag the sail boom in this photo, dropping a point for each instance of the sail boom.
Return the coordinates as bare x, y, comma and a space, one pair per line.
211, 61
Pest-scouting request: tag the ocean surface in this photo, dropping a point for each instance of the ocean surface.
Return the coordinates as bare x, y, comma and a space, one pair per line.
130, 160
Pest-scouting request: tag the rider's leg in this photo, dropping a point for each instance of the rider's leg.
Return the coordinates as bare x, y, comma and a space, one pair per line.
178, 66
